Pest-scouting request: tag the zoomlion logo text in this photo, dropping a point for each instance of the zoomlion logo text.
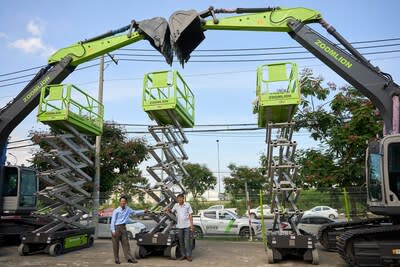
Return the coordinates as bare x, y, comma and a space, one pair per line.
330, 51
36, 89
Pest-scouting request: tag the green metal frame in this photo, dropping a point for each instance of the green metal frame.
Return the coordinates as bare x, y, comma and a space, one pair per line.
277, 104
275, 20
67, 103
83, 52
167, 91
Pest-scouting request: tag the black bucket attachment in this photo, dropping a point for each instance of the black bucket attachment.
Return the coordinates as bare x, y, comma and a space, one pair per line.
186, 33
157, 32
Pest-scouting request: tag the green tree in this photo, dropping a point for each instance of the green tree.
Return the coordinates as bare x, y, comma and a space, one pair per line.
235, 183
342, 126
200, 179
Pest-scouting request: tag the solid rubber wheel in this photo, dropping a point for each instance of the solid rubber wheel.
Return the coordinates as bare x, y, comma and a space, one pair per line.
315, 256
55, 249
23, 249
90, 241
140, 252
331, 216
270, 255
175, 252
253, 216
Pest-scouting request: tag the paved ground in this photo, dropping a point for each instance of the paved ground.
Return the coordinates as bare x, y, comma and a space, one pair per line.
207, 253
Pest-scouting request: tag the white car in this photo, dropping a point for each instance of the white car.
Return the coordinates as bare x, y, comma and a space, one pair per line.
220, 207
312, 224
132, 227
323, 211
256, 213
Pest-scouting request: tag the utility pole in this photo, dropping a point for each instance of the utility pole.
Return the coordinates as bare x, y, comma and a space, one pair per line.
219, 173
248, 211
96, 184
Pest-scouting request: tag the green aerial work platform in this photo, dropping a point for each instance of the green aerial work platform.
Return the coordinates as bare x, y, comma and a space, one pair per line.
278, 92
166, 93
63, 104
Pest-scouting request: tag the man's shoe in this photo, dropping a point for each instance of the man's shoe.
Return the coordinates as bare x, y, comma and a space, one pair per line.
182, 258
117, 262
189, 258
132, 261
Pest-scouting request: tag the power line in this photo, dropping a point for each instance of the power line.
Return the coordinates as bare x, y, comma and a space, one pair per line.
250, 60
266, 48
19, 71
252, 54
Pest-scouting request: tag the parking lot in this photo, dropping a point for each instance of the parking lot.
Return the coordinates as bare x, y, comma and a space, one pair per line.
207, 253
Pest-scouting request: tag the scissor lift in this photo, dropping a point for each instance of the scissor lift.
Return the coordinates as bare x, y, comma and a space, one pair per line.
169, 101
278, 95
72, 115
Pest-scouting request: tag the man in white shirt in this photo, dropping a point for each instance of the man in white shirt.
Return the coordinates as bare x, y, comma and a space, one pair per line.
184, 224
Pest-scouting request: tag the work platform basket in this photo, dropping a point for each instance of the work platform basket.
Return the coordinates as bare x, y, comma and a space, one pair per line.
278, 92
166, 97
64, 104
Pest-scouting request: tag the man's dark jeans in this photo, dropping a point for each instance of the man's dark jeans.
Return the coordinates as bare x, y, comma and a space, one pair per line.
185, 244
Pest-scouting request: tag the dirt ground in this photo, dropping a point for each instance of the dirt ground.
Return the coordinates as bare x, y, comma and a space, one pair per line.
208, 253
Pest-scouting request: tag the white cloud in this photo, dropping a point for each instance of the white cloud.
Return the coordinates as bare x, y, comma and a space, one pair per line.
34, 27
29, 45
33, 44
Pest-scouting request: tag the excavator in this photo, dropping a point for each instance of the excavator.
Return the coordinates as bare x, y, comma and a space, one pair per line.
371, 242
19, 184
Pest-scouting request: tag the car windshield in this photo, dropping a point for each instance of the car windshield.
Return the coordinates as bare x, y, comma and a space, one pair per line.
233, 215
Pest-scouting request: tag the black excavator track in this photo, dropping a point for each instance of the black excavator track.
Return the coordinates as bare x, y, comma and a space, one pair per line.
328, 233
376, 246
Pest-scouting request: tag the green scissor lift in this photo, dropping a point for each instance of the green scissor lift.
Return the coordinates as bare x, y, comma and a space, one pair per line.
73, 115
169, 101
278, 95
166, 92
66, 103
278, 92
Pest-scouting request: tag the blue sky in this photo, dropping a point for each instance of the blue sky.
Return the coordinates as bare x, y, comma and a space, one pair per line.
31, 30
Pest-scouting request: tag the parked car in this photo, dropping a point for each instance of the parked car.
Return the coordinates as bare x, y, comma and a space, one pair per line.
322, 211
132, 227
256, 213
222, 207
312, 224
224, 222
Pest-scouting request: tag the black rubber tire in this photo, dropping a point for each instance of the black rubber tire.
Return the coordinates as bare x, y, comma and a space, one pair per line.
55, 249
90, 241
245, 232
140, 252
332, 216
23, 249
253, 216
198, 233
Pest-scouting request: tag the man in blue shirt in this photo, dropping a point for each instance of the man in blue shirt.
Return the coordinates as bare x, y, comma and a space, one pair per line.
119, 219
